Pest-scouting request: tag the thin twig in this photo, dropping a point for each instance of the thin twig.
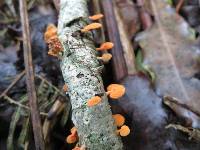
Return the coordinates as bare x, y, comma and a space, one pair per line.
11, 101
19, 76
36, 123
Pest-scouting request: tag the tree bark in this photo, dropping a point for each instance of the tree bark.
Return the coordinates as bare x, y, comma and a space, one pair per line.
82, 73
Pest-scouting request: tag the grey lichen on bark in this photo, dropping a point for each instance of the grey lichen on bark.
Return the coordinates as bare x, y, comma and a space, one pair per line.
82, 73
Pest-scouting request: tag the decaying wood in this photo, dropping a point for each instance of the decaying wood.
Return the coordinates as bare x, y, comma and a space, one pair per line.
81, 71
118, 61
36, 123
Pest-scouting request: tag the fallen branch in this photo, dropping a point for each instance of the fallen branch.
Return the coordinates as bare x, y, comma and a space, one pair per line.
81, 72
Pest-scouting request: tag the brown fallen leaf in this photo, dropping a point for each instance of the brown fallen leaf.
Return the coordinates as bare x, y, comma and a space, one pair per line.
169, 50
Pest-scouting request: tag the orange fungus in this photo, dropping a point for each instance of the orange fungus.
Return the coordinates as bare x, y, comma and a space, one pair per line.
71, 139
96, 17
105, 46
119, 120
115, 91
50, 52
76, 148
91, 27
50, 32
124, 131
73, 130
65, 88
105, 57
79, 148
55, 45
93, 101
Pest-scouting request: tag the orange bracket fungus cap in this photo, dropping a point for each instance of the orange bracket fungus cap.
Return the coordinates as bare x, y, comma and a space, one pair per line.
73, 130
115, 91
79, 148
65, 88
96, 17
91, 27
50, 32
55, 45
71, 139
105, 46
94, 101
76, 148
124, 131
105, 57
119, 119
50, 52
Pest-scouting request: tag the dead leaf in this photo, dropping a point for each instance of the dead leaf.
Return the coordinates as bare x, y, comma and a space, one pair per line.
169, 50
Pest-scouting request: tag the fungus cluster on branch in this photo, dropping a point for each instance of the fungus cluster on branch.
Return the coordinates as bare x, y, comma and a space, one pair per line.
114, 91
51, 38
73, 137
65, 88
119, 122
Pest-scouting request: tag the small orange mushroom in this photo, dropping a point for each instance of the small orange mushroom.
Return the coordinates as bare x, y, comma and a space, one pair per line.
65, 88
115, 91
105, 46
50, 52
79, 148
91, 27
94, 101
51, 37
71, 139
96, 17
50, 32
55, 45
73, 130
119, 119
124, 130
76, 148
105, 57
